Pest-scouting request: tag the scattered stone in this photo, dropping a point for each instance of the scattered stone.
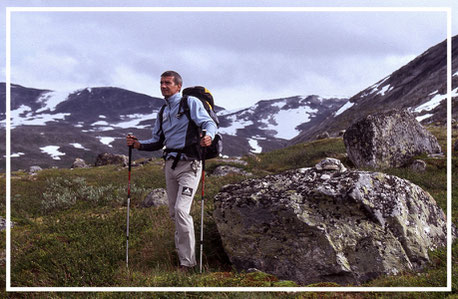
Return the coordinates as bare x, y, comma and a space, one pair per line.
388, 139
79, 163
3, 224
224, 170
323, 135
33, 170
349, 228
331, 164
157, 197
418, 165
109, 159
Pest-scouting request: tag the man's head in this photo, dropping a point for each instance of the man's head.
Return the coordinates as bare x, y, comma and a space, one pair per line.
171, 83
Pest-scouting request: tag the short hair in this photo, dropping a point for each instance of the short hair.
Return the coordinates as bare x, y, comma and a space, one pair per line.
176, 77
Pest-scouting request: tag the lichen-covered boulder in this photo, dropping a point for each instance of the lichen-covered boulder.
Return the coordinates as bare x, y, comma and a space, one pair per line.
156, 198
388, 139
109, 159
311, 225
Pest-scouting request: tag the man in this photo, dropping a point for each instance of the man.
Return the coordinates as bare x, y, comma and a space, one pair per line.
183, 167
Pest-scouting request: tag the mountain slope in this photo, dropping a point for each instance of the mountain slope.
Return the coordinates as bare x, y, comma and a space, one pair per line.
420, 86
52, 128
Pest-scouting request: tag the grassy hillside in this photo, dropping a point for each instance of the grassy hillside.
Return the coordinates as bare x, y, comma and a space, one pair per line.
70, 227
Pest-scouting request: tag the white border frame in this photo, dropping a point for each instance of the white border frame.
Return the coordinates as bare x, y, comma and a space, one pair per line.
10, 10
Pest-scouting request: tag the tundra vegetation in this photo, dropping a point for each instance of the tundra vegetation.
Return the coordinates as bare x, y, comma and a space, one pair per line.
69, 229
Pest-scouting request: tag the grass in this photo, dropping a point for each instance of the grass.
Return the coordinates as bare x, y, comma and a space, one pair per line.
70, 229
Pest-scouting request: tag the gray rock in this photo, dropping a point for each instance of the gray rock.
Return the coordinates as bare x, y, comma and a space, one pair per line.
418, 165
224, 170
348, 228
323, 135
34, 170
109, 159
388, 139
3, 224
157, 197
79, 163
331, 164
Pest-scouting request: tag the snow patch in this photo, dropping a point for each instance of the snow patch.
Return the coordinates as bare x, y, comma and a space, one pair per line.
106, 140
286, 121
53, 151
435, 101
255, 146
134, 120
423, 117
52, 99
78, 146
235, 125
19, 119
345, 107
15, 155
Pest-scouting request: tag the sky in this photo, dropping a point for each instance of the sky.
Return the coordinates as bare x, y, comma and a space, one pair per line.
241, 57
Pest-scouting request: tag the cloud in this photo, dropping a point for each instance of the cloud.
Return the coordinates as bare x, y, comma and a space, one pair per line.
243, 57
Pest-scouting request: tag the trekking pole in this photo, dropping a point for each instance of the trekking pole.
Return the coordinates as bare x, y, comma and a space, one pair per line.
128, 208
204, 132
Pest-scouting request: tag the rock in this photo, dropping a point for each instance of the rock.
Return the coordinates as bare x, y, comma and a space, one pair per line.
224, 170
157, 197
3, 224
388, 139
34, 170
341, 133
349, 228
455, 146
323, 135
79, 163
109, 159
418, 165
331, 164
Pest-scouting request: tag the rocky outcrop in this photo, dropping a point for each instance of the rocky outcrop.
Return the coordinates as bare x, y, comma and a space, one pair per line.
109, 159
33, 170
328, 225
79, 163
388, 139
224, 170
157, 197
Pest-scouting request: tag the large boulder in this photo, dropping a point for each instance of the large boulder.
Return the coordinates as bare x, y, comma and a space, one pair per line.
388, 139
109, 159
328, 225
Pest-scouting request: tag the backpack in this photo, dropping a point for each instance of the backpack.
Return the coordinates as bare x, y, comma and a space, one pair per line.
201, 93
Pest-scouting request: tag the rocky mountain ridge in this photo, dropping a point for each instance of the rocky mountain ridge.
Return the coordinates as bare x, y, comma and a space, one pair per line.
51, 128
420, 86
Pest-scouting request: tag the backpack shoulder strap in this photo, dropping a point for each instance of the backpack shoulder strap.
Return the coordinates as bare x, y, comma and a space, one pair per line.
184, 107
161, 117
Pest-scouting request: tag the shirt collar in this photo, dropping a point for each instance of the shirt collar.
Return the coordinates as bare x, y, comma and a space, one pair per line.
174, 99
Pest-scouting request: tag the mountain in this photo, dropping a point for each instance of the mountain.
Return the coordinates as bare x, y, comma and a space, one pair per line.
420, 86
52, 128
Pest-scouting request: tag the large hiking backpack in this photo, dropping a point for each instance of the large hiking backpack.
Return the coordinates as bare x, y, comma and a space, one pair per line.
201, 93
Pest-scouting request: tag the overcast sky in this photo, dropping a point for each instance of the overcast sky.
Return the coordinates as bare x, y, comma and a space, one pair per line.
241, 57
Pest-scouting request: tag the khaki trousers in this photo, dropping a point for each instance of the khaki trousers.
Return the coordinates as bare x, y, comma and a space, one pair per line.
182, 183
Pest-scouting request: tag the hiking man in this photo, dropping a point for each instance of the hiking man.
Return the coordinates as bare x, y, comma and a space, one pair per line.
183, 165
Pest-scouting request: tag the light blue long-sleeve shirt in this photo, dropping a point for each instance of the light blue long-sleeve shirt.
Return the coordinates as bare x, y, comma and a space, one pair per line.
175, 126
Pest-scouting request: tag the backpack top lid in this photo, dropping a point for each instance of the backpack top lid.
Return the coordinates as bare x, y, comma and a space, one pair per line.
201, 93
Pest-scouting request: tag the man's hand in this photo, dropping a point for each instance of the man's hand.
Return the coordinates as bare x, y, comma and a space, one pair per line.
132, 141
205, 141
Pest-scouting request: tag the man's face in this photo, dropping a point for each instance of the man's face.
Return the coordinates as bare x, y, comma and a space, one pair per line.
168, 86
